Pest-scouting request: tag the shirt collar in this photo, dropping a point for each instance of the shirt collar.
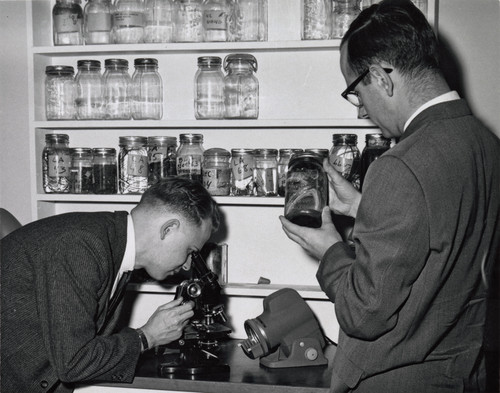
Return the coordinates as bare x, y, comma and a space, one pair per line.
449, 96
128, 261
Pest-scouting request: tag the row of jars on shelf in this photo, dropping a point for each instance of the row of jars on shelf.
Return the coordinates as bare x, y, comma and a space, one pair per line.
115, 95
152, 21
142, 161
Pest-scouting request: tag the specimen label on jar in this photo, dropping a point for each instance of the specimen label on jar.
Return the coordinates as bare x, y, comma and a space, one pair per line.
214, 20
58, 165
137, 165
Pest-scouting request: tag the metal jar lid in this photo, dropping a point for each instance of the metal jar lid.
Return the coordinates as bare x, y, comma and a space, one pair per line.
191, 138
240, 59
134, 141
59, 70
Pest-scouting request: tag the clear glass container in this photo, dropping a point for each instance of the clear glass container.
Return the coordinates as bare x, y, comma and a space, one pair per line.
117, 90
376, 145
216, 171
81, 170
344, 12
128, 22
60, 93
250, 20
241, 87
209, 88
104, 171
133, 165
306, 190
190, 156
265, 172
242, 164
97, 22
189, 21
161, 157
316, 19
283, 160
160, 21
67, 22
147, 90
56, 162
345, 157
89, 90
215, 20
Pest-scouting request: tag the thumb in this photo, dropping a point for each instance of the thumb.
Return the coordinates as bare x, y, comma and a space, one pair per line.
326, 216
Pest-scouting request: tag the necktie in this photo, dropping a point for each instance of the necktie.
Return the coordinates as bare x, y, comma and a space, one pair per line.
116, 298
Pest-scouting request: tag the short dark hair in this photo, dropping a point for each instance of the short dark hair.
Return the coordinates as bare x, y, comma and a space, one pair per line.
183, 196
395, 31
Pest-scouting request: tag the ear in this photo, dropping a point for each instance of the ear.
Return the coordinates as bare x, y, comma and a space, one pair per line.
382, 79
169, 227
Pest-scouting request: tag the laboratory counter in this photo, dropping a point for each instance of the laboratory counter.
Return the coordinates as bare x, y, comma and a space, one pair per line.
245, 375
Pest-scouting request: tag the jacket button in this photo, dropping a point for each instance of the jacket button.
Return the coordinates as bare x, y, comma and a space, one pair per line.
44, 384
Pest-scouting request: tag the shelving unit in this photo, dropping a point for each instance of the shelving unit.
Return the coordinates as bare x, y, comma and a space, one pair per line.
300, 107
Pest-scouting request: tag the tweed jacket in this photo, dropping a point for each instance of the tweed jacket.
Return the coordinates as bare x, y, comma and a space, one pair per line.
56, 278
411, 301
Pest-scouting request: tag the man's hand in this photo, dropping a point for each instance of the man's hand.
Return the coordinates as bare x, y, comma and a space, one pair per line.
315, 241
168, 322
344, 198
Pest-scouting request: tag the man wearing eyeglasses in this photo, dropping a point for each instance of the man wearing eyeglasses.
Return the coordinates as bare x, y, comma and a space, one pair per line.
411, 299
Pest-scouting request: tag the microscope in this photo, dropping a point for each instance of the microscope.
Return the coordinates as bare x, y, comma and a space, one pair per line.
196, 351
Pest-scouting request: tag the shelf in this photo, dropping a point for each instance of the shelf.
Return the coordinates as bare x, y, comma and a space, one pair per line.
134, 198
186, 47
246, 290
204, 124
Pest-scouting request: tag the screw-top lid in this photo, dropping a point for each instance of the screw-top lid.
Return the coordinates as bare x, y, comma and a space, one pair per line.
217, 152
209, 61
136, 141
59, 70
104, 151
56, 138
241, 152
146, 62
240, 59
265, 152
191, 138
116, 63
306, 156
88, 64
289, 152
345, 139
377, 140
81, 151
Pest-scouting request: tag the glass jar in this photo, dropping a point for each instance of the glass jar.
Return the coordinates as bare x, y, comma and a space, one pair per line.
306, 191
81, 170
189, 21
323, 153
160, 21
242, 163
67, 22
97, 22
265, 172
241, 87
161, 157
376, 145
345, 157
209, 89
216, 171
344, 12
147, 90
89, 90
104, 170
133, 165
251, 20
128, 22
117, 89
60, 93
215, 20
316, 19
56, 162
283, 160
190, 156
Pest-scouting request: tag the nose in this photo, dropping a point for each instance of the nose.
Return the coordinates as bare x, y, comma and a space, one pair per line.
362, 114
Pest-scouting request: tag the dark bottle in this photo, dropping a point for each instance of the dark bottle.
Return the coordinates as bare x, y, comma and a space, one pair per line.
306, 192
376, 145
161, 157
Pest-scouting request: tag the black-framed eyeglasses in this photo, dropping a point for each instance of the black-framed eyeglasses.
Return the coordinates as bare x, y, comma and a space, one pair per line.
352, 95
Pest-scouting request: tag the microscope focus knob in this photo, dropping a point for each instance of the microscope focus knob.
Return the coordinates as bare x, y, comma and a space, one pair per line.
311, 354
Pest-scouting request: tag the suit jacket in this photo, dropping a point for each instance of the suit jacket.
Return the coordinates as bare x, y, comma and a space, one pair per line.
411, 302
56, 279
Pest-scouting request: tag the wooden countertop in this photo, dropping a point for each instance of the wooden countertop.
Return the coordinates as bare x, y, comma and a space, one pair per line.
245, 376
